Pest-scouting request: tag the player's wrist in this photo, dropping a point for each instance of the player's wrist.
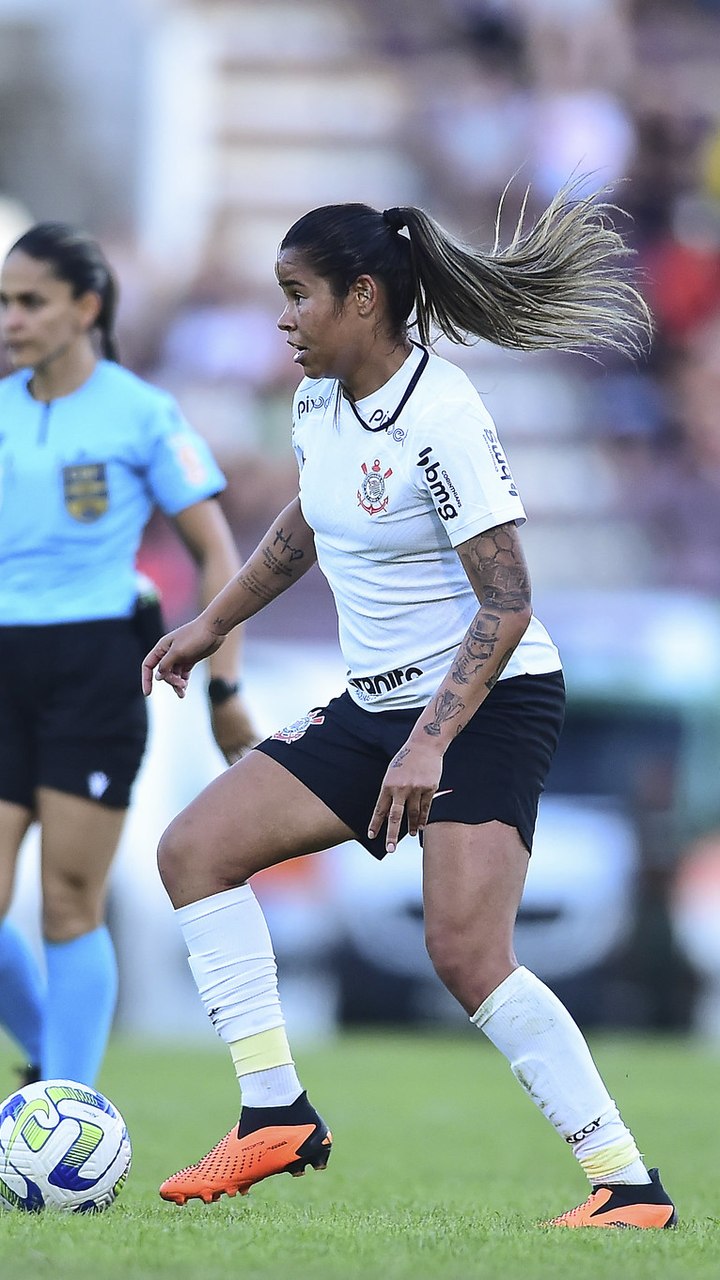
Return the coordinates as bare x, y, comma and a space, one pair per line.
220, 690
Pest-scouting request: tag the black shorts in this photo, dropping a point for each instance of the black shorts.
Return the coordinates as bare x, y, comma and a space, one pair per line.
72, 711
494, 770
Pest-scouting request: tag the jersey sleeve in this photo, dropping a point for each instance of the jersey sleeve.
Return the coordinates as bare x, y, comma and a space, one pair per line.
297, 448
462, 467
180, 467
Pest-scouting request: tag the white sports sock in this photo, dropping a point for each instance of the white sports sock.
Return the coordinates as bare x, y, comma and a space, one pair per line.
275, 1087
548, 1055
233, 963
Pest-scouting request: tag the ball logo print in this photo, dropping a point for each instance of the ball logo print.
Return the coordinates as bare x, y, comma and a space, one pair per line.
63, 1146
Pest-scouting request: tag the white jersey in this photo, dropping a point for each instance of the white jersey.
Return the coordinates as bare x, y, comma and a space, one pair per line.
389, 496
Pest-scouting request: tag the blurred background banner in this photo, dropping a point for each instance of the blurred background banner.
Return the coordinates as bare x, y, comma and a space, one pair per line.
187, 136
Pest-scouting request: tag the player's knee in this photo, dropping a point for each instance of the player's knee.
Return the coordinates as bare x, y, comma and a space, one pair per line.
71, 910
449, 958
468, 965
174, 851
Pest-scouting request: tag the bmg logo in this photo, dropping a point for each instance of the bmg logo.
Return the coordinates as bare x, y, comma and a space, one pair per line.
445, 508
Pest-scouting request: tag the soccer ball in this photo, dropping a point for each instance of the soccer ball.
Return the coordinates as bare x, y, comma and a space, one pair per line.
62, 1146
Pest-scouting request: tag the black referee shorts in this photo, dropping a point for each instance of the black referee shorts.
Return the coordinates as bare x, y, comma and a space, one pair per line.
72, 711
494, 770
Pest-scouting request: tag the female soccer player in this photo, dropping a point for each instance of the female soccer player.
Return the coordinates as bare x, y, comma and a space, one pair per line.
87, 451
455, 694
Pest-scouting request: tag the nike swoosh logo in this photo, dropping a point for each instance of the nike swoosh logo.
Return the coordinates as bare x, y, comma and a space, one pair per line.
443, 793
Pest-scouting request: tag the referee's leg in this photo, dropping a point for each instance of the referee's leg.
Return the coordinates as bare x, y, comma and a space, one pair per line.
79, 841
21, 982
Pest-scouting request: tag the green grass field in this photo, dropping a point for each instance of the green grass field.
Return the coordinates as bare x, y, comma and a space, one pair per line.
441, 1168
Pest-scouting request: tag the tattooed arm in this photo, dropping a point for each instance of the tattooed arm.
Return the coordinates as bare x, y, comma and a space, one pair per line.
496, 568
282, 557
495, 565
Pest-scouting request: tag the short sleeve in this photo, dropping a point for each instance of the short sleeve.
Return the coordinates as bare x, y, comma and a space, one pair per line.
297, 449
463, 468
180, 467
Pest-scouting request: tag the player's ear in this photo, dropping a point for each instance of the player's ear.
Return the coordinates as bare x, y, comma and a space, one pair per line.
88, 307
365, 294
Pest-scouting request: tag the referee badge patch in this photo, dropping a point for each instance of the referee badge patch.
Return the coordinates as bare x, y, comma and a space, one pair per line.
85, 489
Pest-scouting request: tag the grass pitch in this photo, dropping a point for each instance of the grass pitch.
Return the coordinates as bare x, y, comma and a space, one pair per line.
441, 1168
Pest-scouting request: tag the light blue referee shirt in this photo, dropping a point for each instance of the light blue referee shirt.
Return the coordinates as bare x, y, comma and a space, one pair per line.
79, 479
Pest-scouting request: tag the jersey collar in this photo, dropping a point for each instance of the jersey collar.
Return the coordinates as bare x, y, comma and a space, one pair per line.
392, 419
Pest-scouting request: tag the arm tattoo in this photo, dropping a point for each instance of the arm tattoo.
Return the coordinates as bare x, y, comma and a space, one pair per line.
294, 553
398, 759
497, 571
280, 556
490, 684
256, 587
447, 706
280, 559
477, 648
277, 566
498, 565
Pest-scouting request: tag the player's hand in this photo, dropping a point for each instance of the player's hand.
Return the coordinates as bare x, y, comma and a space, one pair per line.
174, 656
233, 728
411, 780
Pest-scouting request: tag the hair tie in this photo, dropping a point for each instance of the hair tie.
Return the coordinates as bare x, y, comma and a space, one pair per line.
395, 219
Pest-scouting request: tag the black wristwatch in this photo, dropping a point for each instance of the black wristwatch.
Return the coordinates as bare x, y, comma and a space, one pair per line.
220, 690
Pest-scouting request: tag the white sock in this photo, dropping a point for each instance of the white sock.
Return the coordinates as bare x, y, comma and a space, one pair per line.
231, 956
548, 1055
275, 1087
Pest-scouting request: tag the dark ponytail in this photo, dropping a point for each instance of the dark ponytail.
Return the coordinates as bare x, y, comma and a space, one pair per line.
78, 260
562, 284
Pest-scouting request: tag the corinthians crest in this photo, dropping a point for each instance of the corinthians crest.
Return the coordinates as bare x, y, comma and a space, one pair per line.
295, 731
371, 494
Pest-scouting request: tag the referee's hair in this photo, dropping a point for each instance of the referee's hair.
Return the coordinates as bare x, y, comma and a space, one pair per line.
78, 260
561, 284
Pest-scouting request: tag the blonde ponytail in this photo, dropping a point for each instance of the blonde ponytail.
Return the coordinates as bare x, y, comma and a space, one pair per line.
560, 285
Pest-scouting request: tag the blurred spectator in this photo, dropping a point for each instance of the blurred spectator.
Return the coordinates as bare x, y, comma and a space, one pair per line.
579, 42
474, 133
672, 482
218, 336
493, 28
665, 166
581, 62
580, 131
682, 267
710, 162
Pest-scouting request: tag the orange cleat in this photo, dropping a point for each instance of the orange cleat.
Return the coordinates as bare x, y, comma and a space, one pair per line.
620, 1205
295, 1138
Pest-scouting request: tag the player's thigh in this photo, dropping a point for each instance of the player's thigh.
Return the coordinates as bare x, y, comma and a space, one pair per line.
14, 822
79, 838
253, 816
